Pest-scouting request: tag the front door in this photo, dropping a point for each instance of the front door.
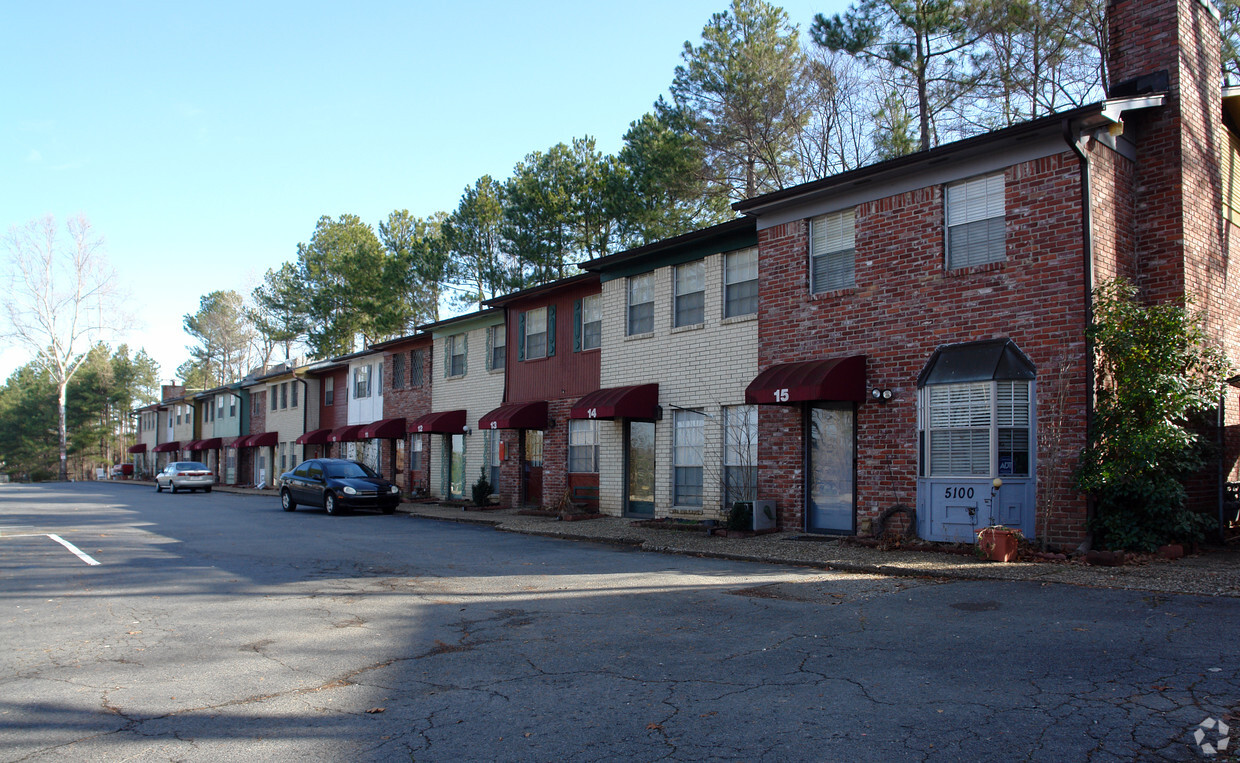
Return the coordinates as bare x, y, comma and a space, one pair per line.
532, 466
830, 474
456, 466
639, 468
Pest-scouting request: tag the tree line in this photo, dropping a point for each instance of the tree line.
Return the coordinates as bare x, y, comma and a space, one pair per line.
755, 106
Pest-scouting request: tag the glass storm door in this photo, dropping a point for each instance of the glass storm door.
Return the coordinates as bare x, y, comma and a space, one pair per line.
830, 472
639, 468
532, 467
456, 466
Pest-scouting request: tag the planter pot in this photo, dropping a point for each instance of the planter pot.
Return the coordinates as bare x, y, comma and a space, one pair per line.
997, 544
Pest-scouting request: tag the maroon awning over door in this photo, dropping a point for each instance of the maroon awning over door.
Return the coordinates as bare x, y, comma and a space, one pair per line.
345, 434
532, 415
812, 380
139, 448
384, 429
637, 402
443, 422
263, 440
167, 447
314, 437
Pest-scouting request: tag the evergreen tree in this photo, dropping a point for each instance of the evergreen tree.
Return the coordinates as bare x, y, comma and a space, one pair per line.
742, 92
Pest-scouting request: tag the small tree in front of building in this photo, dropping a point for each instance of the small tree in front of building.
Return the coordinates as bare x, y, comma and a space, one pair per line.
1157, 374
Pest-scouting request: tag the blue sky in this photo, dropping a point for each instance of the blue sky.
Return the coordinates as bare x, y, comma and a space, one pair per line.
203, 141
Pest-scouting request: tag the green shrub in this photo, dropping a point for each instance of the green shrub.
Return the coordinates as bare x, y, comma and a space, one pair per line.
481, 491
1156, 376
741, 516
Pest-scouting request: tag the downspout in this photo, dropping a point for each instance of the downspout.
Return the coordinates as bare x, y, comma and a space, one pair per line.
1087, 262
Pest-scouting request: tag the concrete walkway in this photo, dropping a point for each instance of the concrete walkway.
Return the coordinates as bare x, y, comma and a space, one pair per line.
1214, 572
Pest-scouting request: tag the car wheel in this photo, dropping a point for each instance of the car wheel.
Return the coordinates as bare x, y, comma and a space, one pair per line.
329, 503
389, 509
173, 487
206, 490
286, 500
158, 487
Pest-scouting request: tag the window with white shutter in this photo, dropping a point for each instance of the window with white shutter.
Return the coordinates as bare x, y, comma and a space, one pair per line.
976, 210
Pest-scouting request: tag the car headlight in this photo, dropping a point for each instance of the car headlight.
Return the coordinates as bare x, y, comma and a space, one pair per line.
393, 490
349, 491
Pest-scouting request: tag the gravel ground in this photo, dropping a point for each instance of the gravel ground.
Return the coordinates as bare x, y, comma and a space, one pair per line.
1214, 572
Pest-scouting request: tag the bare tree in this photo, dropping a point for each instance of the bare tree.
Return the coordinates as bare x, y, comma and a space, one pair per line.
60, 300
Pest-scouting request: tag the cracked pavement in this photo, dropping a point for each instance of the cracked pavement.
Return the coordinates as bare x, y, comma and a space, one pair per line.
218, 627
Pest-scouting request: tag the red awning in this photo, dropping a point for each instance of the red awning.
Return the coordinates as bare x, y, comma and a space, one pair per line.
812, 380
637, 402
313, 437
443, 422
211, 443
345, 434
384, 429
516, 416
239, 442
263, 440
166, 447
191, 445
139, 448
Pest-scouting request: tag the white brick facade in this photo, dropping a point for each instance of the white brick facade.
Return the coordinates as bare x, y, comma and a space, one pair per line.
479, 391
703, 367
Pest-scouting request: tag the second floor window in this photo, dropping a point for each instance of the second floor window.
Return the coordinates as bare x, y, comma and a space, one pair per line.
329, 391
740, 283
535, 323
274, 391
641, 304
590, 328
496, 335
416, 358
690, 293
398, 371
293, 384
456, 346
976, 222
284, 395
232, 407
361, 382
833, 251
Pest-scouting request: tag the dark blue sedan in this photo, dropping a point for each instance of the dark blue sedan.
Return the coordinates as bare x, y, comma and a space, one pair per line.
337, 485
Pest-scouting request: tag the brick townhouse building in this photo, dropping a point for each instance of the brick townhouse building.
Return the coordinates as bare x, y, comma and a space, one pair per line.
407, 367
550, 350
329, 381
921, 322
468, 383
679, 329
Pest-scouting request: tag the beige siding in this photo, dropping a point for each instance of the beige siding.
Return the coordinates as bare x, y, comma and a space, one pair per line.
479, 392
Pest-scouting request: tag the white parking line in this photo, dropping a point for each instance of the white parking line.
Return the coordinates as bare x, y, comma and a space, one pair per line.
77, 551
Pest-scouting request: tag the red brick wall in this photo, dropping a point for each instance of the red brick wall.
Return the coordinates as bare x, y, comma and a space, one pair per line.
905, 304
409, 403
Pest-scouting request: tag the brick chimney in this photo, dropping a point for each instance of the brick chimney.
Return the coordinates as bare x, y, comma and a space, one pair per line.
1172, 46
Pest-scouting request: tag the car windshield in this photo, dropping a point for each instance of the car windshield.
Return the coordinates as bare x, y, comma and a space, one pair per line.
190, 466
348, 470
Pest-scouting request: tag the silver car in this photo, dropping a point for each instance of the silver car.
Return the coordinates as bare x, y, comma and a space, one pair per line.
185, 475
